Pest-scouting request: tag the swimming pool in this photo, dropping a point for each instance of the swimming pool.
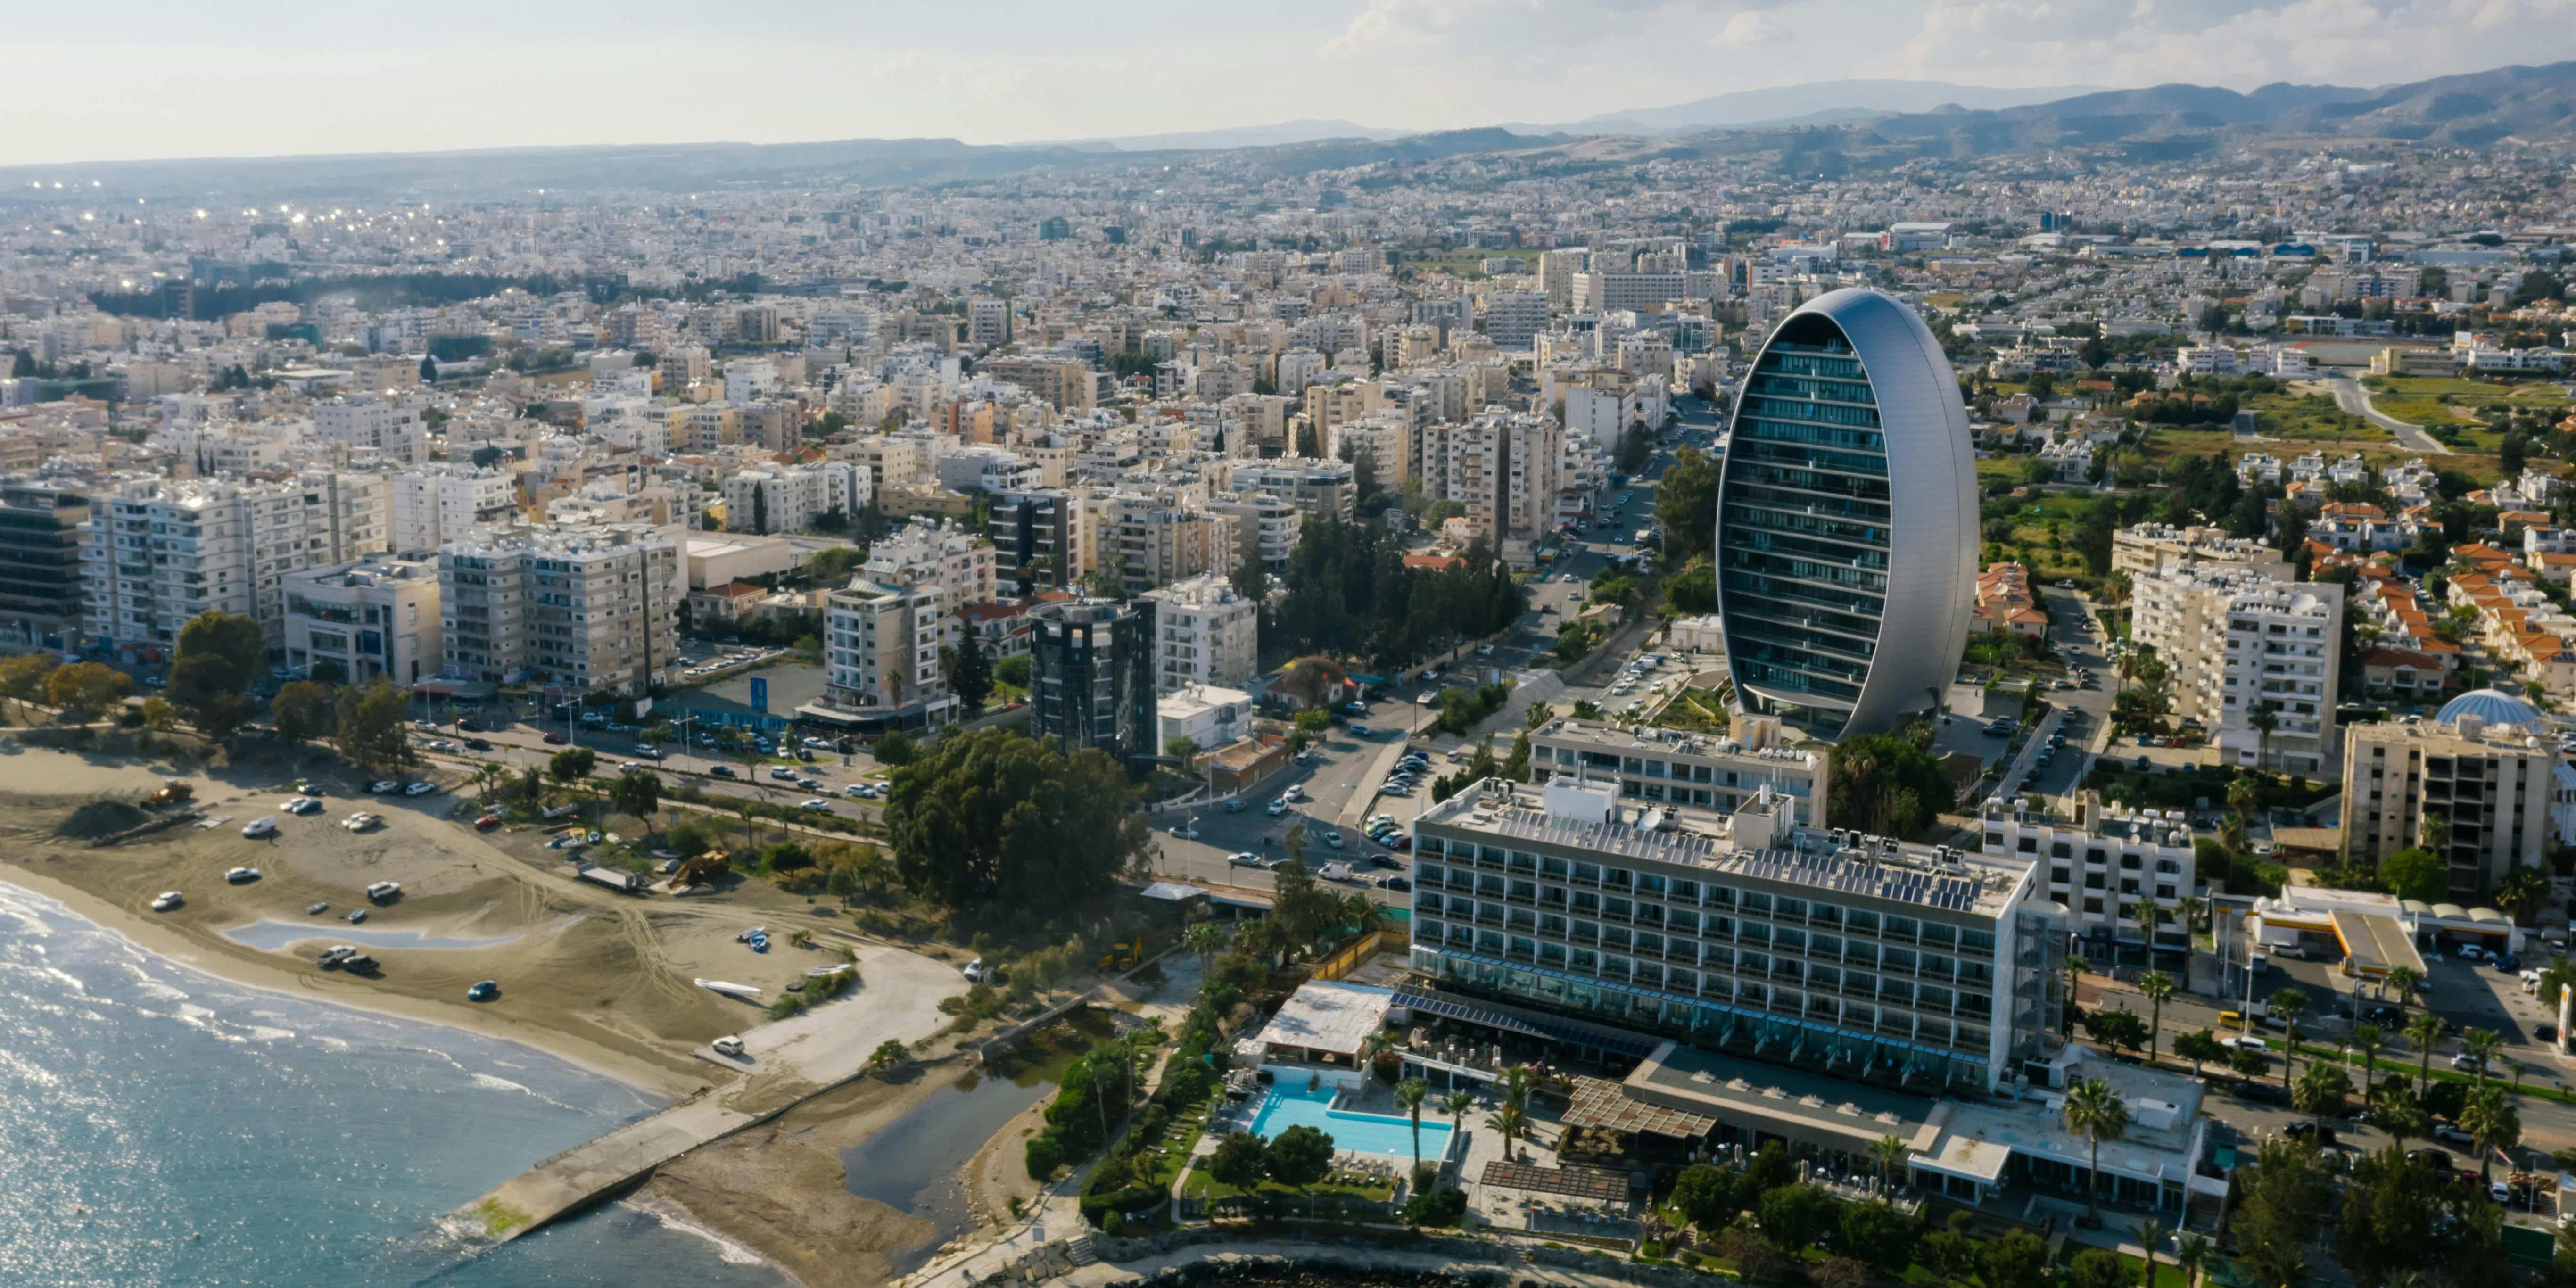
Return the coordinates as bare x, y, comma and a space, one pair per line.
1360, 1133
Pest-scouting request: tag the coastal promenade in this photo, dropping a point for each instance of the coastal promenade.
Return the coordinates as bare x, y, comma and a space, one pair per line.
786, 1063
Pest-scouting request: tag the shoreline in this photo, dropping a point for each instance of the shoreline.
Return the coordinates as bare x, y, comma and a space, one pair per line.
176, 947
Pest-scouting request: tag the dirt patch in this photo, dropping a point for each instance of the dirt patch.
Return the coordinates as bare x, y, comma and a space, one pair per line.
781, 1191
102, 818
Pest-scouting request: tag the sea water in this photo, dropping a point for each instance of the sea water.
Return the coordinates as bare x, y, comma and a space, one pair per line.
159, 1126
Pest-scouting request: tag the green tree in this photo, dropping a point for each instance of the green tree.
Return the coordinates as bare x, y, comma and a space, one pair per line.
2290, 1005
1013, 671
2121, 1030
369, 728
1885, 785
572, 764
637, 793
1880, 1235
205, 690
2522, 892
1240, 1162
2155, 986
1181, 749
888, 1056
895, 750
1796, 1216
2281, 1204
2415, 874
992, 815
2200, 1048
1706, 1195
302, 711
84, 689
1409, 1095
1510, 1123
1686, 505
972, 677
2492, 1120
2426, 1032
2367, 1039
2096, 1113
2320, 1092
1300, 1156
2017, 1260
236, 641
22, 678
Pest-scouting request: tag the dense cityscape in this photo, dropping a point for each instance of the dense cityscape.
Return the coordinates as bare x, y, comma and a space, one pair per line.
1778, 705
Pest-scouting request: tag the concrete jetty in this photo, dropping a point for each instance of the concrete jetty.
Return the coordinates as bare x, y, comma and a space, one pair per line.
783, 1065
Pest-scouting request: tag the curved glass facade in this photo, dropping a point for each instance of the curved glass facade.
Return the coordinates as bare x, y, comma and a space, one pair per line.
1825, 478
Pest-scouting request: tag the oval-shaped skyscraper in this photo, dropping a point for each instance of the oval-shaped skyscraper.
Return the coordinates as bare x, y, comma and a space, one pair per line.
1846, 520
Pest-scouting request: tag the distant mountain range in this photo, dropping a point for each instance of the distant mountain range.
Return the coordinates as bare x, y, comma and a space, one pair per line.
1816, 102
1812, 128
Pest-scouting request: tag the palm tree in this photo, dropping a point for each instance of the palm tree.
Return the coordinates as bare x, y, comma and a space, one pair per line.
2265, 718
2074, 974
2483, 1045
2425, 1031
1456, 1104
1377, 1046
2368, 1039
2146, 914
1410, 1094
2292, 1006
2322, 1088
1206, 939
2401, 982
2191, 1252
2096, 1113
1511, 1122
1887, 1152
1515, 1085
2493, 1122
2156, 986
2188, 910
2151, 1235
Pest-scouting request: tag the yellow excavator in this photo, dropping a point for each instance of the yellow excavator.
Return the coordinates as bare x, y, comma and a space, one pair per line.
1123, 956
177, 791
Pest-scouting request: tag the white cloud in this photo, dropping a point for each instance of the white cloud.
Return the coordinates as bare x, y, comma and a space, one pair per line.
1750, 28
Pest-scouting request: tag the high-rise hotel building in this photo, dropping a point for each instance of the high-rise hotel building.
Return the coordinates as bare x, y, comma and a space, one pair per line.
1848, 955
1846, 520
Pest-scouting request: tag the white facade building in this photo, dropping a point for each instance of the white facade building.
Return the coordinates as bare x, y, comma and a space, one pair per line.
1204, 634
375, 619
2238, 643
435, 502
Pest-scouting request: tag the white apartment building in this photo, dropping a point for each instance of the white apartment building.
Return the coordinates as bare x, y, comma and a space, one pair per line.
1668, 767
993, 469
1265, 526
1204, 634
2148, 549
373, 619
2477, 766
348, 516
388, 424
1514, 318
988, 322
1505, 467
958, 567
2102, 862
1610, 292
750, 379
2237, 643
791, 498
1297, 369
881, 656
435, 503
590, 609
151, 562
1150, 539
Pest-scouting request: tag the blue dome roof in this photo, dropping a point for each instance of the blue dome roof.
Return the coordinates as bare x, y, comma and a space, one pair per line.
2492, 706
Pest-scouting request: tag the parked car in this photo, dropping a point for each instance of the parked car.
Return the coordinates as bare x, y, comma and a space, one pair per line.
302, 805
555, 738
1243, 859
478, 744
422, 788
383, 787
721, 771
259, 827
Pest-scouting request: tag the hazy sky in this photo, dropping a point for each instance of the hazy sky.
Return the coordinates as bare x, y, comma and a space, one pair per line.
176, 78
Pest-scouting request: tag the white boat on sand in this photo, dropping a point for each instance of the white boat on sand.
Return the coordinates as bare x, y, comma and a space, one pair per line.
744, 991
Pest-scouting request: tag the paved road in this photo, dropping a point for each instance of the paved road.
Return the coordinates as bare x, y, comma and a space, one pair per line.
2353, 398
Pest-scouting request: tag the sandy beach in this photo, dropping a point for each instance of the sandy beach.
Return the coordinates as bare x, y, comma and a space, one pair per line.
596, 978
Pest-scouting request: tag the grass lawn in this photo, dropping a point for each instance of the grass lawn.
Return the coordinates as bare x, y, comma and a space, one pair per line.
1203, 1186
2315, 419
2382, 1066
2525, 393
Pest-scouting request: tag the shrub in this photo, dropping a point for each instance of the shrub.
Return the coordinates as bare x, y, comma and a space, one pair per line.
1043, 1157
1445, 1206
